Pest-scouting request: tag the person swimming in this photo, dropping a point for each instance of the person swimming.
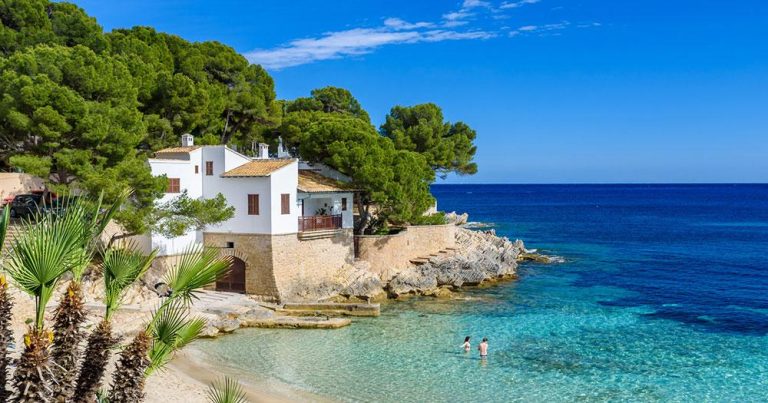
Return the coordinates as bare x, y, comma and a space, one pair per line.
466, 346
483, 348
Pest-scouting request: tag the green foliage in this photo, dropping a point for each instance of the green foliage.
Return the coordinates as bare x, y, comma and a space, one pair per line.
432, 219
421, 128
121, 267
5, 218
227, 390
42, 254
183, 213
397, 181
197, 268
171, 330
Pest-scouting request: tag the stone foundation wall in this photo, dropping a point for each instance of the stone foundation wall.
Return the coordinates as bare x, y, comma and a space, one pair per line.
283, 267
301, 267
390, 254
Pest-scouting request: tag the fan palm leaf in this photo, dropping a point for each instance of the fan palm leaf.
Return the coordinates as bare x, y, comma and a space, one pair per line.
121, 268
172, 330
197, 268
227, 390
41, 255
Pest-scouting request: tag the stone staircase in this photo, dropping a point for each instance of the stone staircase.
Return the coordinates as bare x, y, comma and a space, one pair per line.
422, 260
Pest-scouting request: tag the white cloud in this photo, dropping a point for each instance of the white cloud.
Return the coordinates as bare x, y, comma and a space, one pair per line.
528, 29
398, 24
461, 24
468, 4
517, 4
352, 42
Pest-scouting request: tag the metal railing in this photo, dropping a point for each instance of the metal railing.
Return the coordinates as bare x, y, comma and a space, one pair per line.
319, 222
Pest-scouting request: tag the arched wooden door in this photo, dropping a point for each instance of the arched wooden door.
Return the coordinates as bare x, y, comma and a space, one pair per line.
234, 281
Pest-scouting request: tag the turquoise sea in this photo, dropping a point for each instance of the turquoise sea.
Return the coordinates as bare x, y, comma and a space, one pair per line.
663, 296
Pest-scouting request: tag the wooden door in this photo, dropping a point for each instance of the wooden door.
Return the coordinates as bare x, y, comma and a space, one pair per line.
234, 281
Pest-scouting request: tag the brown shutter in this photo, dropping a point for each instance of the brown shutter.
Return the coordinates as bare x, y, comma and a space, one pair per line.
343, 204
253, 204
209, 168
285, 203
197, 169
174, 185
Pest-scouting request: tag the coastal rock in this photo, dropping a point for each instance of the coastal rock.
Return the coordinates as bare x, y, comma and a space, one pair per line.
479, 257
226, 325
455, 218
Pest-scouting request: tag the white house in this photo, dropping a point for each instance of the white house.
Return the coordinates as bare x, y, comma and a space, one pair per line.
273, 199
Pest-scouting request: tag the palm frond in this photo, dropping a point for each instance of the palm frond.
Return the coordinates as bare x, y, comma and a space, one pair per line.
45, 250
94, 218
227, 390
197, 268
121, 268
5, 218
171, 330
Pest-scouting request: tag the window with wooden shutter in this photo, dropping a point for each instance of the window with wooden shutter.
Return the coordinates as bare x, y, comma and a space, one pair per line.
197, 169
343, 204
174, 185
285, 203
209, 168
253, 204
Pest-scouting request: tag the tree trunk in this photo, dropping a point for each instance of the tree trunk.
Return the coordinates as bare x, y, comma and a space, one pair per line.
67, 338
100, 342
130, 373
119, 237
6, 336
32, 379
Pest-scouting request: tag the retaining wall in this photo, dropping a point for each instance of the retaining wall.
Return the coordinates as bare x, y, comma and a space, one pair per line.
389, 254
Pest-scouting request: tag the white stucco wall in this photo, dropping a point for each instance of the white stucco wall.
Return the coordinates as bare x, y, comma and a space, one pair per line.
285, 180
180, 166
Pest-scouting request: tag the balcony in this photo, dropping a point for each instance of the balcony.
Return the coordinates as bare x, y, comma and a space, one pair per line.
319, 222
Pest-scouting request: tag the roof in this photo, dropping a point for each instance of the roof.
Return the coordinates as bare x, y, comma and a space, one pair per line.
257, 168
177, 150
313, 182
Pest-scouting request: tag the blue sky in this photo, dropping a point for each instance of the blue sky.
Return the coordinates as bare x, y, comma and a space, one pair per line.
560, 91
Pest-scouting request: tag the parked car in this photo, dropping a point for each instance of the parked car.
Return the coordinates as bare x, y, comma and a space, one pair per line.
24, 205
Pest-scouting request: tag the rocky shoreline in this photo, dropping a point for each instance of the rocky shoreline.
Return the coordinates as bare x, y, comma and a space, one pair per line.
480, 257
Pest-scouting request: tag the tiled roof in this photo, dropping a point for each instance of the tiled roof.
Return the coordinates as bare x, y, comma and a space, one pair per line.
177, 150
313, 182
257, 168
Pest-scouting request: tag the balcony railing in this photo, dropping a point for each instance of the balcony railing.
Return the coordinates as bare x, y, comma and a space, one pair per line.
319, 222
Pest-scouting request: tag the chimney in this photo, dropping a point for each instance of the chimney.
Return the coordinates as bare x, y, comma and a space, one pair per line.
187, 140
263, 151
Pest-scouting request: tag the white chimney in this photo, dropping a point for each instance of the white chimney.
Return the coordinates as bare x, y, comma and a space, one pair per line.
187, 140
263, 151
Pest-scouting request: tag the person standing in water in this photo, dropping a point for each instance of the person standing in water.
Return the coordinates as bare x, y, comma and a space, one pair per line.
466, 345
483, 348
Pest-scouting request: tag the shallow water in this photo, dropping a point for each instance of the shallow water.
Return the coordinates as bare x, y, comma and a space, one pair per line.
663, 296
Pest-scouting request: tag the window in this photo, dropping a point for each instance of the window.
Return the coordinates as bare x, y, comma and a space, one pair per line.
230, 245
197, 169
285, 203
343, 204
209, 168
174, 185
253, 204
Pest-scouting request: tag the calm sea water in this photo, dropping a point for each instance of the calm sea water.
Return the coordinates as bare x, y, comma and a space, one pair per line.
663, 296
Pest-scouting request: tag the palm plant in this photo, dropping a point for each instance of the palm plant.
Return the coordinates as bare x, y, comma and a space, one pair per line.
45, 251
121, 267
70, 313
6, 306
170, 328
226, 391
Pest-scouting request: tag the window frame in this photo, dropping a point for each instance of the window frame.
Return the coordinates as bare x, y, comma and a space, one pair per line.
208, 168
285, 203
171, 182
253, 204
